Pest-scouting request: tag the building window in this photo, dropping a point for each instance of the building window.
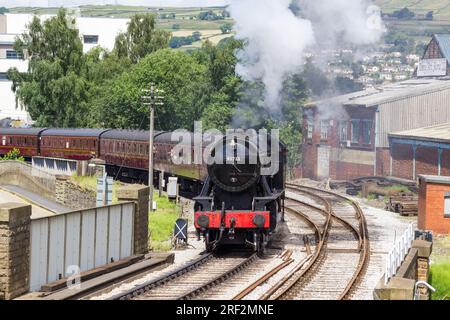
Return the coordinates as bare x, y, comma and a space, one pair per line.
12, 54
366, 131
343, 131
3, 76
90, 39
355, 131
324, 127
447, 205
310, 129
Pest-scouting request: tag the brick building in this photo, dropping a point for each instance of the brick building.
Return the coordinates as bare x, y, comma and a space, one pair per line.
439, 48
434, 204
347, 136
423, 151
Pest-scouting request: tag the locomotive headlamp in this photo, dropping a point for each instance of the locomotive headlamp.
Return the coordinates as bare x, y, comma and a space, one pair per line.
259, 220
203, 221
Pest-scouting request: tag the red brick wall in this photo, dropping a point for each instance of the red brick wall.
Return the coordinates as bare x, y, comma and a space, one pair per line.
348, 171
431, 208
422, 205
309, 161
402, 161
427, 161
383, 161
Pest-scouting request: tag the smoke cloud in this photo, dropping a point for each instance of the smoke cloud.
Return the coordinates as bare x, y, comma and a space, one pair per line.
277, 39
275, 42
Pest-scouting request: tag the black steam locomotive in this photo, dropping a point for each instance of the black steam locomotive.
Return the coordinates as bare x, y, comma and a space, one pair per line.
241, 199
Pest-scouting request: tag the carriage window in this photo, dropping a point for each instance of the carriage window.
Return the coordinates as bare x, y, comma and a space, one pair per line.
4, 140
67, 145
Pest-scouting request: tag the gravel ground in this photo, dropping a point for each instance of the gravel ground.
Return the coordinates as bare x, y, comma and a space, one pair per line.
384, 227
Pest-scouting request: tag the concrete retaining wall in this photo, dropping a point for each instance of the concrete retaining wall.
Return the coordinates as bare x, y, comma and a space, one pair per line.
23, 175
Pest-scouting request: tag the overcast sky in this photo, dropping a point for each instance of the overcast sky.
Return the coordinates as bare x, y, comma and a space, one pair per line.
158, 3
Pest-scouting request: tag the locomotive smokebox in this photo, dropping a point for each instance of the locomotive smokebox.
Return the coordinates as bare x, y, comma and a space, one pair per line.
234, 163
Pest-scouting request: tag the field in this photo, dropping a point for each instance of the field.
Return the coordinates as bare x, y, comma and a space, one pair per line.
441, 8
185, 20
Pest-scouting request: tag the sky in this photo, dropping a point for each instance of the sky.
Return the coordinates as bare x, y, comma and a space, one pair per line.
158, 3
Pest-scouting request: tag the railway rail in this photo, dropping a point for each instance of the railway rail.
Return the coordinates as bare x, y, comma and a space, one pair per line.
337, 253
336, 257
191, 280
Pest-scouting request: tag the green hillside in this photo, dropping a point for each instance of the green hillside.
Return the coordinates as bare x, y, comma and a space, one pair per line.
441, 8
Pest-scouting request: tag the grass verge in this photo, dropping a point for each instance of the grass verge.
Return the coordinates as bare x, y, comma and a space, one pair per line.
440, 280
90, 183
161, 223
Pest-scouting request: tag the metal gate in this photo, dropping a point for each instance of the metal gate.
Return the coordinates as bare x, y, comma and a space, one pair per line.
80, 240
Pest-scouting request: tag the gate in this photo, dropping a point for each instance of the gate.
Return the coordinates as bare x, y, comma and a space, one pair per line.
86, 239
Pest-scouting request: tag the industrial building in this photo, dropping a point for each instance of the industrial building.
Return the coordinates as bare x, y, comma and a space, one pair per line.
347, 136
434, 204
423, 151
93, 32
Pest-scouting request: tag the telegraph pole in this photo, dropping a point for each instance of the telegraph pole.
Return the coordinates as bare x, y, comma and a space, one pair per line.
150, 99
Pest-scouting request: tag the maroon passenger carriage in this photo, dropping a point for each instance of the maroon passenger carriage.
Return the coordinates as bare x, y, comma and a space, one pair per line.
26, 140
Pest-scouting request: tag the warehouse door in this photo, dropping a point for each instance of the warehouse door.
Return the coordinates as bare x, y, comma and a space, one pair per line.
323, 162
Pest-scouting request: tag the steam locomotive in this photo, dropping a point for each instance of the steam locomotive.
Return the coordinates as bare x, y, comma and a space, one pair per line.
241, 199
238, 192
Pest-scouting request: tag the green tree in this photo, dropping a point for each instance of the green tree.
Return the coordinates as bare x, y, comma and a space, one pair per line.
226, 28
185, 85
14, 154
3, 10
53, 91
141, 38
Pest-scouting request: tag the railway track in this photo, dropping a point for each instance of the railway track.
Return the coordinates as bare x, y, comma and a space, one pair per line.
336, 253
340, 253
337, 250
193, 279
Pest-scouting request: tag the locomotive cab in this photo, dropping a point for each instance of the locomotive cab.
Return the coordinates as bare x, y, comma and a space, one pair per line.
240, 202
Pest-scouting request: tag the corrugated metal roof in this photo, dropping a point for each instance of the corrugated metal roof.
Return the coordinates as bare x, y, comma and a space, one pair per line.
439, 133
443, 41
388, 93
74, 132
21, 131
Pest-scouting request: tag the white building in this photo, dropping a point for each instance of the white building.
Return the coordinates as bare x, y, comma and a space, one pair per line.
93, 32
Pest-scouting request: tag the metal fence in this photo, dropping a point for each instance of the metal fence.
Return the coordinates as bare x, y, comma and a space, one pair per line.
80, 240
398, 253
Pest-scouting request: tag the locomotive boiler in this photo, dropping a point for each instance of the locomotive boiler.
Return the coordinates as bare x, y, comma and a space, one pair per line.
241, 199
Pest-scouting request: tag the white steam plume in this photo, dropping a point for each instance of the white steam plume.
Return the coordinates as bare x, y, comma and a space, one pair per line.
349, 21
276, 39
276, 42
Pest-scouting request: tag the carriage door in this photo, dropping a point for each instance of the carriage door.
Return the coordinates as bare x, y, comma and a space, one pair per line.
323, 162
